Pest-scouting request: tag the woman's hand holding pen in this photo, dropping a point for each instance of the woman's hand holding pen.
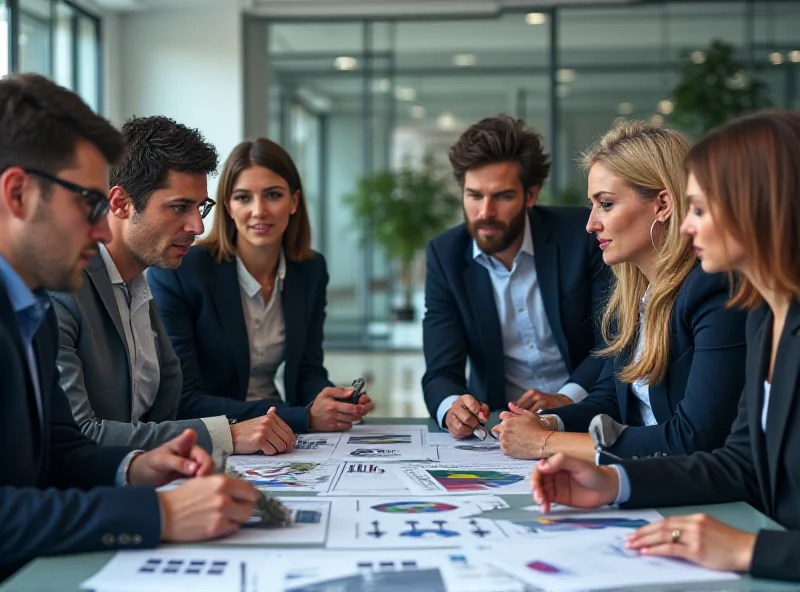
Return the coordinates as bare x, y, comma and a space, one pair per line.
569, 481
330, 412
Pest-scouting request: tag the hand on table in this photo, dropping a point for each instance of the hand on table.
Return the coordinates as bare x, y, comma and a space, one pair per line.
534, 400
268, 434
697, 538
464, 415
177, 459
569, 481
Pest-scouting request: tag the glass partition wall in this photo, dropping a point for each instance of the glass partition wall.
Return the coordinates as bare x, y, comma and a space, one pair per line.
353, 98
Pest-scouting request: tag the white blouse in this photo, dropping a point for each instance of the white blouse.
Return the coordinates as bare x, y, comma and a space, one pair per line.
640, 388
265, 331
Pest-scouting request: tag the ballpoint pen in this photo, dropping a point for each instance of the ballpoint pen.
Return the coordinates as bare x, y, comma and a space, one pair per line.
600, 450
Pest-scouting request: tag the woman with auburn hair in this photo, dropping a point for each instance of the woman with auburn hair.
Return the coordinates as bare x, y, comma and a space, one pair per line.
252, 296
675, 352
744, 191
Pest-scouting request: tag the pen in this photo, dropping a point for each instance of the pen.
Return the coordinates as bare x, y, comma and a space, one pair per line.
243, 582
600, 450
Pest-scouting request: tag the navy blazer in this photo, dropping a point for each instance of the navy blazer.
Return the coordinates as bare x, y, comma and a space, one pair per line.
201, 306
756, 466
51, 501
461, 319
695, 403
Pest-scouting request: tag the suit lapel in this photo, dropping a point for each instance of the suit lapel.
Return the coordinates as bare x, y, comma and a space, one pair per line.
756, 372
484, 310
228, 301
545, 255
784, 389
98, 274
293, 302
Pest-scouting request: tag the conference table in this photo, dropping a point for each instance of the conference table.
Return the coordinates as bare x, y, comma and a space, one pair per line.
66, 572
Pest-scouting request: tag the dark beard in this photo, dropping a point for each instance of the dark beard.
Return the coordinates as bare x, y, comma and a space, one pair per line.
500, 242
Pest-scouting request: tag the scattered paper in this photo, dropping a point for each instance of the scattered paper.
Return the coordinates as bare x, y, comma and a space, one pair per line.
568, 520
414, 522
382, 443
284, 476
431, 570
181, 569
313, 447
463, 478
366, 478
590, 560
310, 517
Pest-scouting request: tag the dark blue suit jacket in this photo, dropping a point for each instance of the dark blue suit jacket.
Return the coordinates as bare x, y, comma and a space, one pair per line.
695, 404
201, 306
461, 319
51, 499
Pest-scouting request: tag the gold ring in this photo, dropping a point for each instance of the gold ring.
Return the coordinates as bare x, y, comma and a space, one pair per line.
676, 535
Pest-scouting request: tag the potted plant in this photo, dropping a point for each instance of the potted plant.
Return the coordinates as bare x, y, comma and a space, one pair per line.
406, 209
715, 89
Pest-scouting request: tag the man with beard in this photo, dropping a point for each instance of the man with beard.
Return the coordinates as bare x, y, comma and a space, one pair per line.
117, 364
515, 290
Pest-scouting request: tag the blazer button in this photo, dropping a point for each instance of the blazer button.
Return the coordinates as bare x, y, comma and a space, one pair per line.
136, 539
108, 539
124, 539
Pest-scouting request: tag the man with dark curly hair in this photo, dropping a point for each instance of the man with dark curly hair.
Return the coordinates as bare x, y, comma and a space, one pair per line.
513, 290
117, 364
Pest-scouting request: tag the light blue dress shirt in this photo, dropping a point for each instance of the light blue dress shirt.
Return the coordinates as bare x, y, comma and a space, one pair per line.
30, 308
532, 357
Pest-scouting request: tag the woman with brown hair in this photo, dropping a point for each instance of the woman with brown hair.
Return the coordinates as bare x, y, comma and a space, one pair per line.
252, 296
744, 191
670, 337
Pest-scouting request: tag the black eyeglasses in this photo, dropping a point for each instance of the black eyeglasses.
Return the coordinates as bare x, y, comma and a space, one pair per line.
98, 201
205, 206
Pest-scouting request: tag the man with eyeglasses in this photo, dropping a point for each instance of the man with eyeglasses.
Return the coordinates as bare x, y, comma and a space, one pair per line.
118, 367
59, 491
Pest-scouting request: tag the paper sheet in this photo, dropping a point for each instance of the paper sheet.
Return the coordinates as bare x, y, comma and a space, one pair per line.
431, 570
271, 474
366, 478
466, 478
310, 518
382, 443
181, 569
413, 522
568, 520
590, 560
315, 447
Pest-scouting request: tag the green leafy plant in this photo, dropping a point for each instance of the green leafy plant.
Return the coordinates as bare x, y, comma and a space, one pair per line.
406, 209
715, 90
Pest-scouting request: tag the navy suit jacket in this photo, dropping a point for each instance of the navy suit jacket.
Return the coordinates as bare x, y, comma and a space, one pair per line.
695, 403
461, 319
201, 306
754, 466
52, 498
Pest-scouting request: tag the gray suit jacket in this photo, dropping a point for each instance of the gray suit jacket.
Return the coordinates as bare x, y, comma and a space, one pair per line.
95, 369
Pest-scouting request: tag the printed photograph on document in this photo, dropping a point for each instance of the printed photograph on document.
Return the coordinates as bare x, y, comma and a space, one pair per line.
366, 478
610, 520
313, 447
398, 523
461, 478
282, 475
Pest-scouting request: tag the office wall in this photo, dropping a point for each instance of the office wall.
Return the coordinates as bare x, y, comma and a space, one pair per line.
183, 63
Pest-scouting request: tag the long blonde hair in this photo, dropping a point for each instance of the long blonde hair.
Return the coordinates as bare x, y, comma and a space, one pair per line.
650, 160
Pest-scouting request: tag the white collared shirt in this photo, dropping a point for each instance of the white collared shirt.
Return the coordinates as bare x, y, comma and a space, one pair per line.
133, 302
265, 331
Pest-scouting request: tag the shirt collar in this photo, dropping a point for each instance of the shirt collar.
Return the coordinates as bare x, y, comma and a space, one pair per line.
111, 268
32, 304
526, 247
137, 285
250, 285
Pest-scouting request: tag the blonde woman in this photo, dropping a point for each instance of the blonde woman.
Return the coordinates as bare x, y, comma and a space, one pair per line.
675, 353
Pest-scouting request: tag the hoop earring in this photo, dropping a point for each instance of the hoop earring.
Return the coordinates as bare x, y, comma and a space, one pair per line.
652, 226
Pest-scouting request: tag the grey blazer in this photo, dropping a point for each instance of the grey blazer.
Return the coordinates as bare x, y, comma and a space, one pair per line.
95, 369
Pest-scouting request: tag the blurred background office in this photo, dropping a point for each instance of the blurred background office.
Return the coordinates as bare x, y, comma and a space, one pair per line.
368, 95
